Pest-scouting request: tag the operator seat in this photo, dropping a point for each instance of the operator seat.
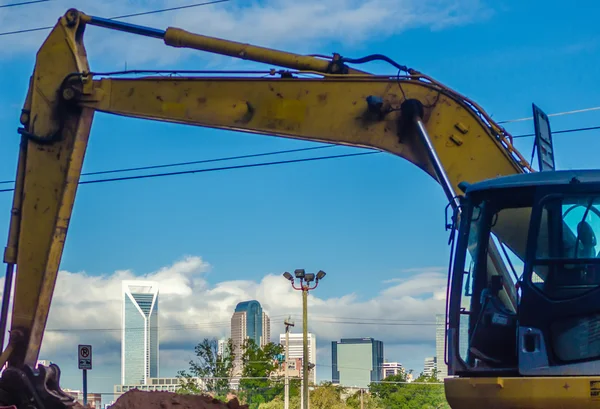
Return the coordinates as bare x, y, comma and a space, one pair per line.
494, 337
587, 240
569, 280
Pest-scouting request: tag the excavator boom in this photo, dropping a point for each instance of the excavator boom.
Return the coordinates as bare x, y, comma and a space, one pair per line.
411, 116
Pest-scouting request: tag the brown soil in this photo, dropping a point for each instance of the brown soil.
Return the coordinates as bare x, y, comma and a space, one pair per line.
136, 399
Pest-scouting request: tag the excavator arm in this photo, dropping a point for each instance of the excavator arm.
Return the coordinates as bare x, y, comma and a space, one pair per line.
319, 99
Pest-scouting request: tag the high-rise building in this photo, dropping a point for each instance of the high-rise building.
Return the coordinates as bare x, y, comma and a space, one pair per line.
356, 362
297, 349
430, 366
392, 369
440, 346
139, 341
222, 344
249, 321
266, 325
440, 343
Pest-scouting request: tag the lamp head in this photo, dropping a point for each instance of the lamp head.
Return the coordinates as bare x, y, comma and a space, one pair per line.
299, 273
309, 277
288, 276
320, 275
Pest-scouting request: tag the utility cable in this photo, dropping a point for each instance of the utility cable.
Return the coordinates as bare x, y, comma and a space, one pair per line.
589, 128
530, 118
218, 324
186, 172
194, 162
23, 3
143, 13
261, 164
252, 155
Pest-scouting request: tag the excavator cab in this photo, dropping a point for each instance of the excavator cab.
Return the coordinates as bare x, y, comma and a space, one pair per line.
539, 314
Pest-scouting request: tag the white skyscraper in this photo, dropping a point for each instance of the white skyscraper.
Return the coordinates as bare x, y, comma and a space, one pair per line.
392, 369
430, 365
296, 350
139, 340
221, 345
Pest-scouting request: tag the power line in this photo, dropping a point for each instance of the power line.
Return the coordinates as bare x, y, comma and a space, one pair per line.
217, 324
395, 324
143, 13
243, 166
195, 162
187, 172
530, 118
24, 3
589, 128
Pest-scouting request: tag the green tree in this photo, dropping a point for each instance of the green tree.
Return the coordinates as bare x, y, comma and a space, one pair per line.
384, 390
259, 364
426, 392
278, 403
216, 369
370, 401
327, 396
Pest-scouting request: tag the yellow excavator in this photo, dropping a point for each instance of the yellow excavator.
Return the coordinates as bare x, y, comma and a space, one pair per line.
523, 304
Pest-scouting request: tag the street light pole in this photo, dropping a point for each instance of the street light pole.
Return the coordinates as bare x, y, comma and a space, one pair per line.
305, 344
288, 323
305, 280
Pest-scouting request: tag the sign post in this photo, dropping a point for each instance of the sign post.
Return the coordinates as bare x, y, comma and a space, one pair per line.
85, 363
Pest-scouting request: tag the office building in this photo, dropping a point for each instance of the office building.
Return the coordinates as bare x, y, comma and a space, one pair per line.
158, 384
392, 369
430, 366
249, 321
139, 341
294, 370
297, 350
440, 346
94, 400
222, 344
356, 362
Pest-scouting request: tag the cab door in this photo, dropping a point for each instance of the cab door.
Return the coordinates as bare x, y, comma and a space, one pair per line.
559, 311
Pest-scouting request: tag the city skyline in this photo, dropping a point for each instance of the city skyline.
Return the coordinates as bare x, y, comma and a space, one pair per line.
249, 320
245, 324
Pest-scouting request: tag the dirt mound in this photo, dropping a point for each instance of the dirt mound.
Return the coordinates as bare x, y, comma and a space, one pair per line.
136, 399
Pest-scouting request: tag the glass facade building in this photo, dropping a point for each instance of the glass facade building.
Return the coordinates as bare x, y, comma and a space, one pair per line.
356, 362
139, 342
248, 321
440, 343
253, 318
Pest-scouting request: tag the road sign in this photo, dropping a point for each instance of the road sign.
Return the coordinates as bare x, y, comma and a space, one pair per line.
85, 357
543, 140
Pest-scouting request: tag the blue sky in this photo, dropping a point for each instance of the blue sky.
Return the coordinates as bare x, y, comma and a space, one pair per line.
364, 220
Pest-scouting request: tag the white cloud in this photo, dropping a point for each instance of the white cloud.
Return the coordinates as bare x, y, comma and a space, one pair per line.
87, 309
305, 26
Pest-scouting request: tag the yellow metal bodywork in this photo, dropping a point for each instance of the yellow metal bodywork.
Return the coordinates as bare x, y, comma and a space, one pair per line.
45, 190
326, 110
570, 392
176, 37
63, 96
